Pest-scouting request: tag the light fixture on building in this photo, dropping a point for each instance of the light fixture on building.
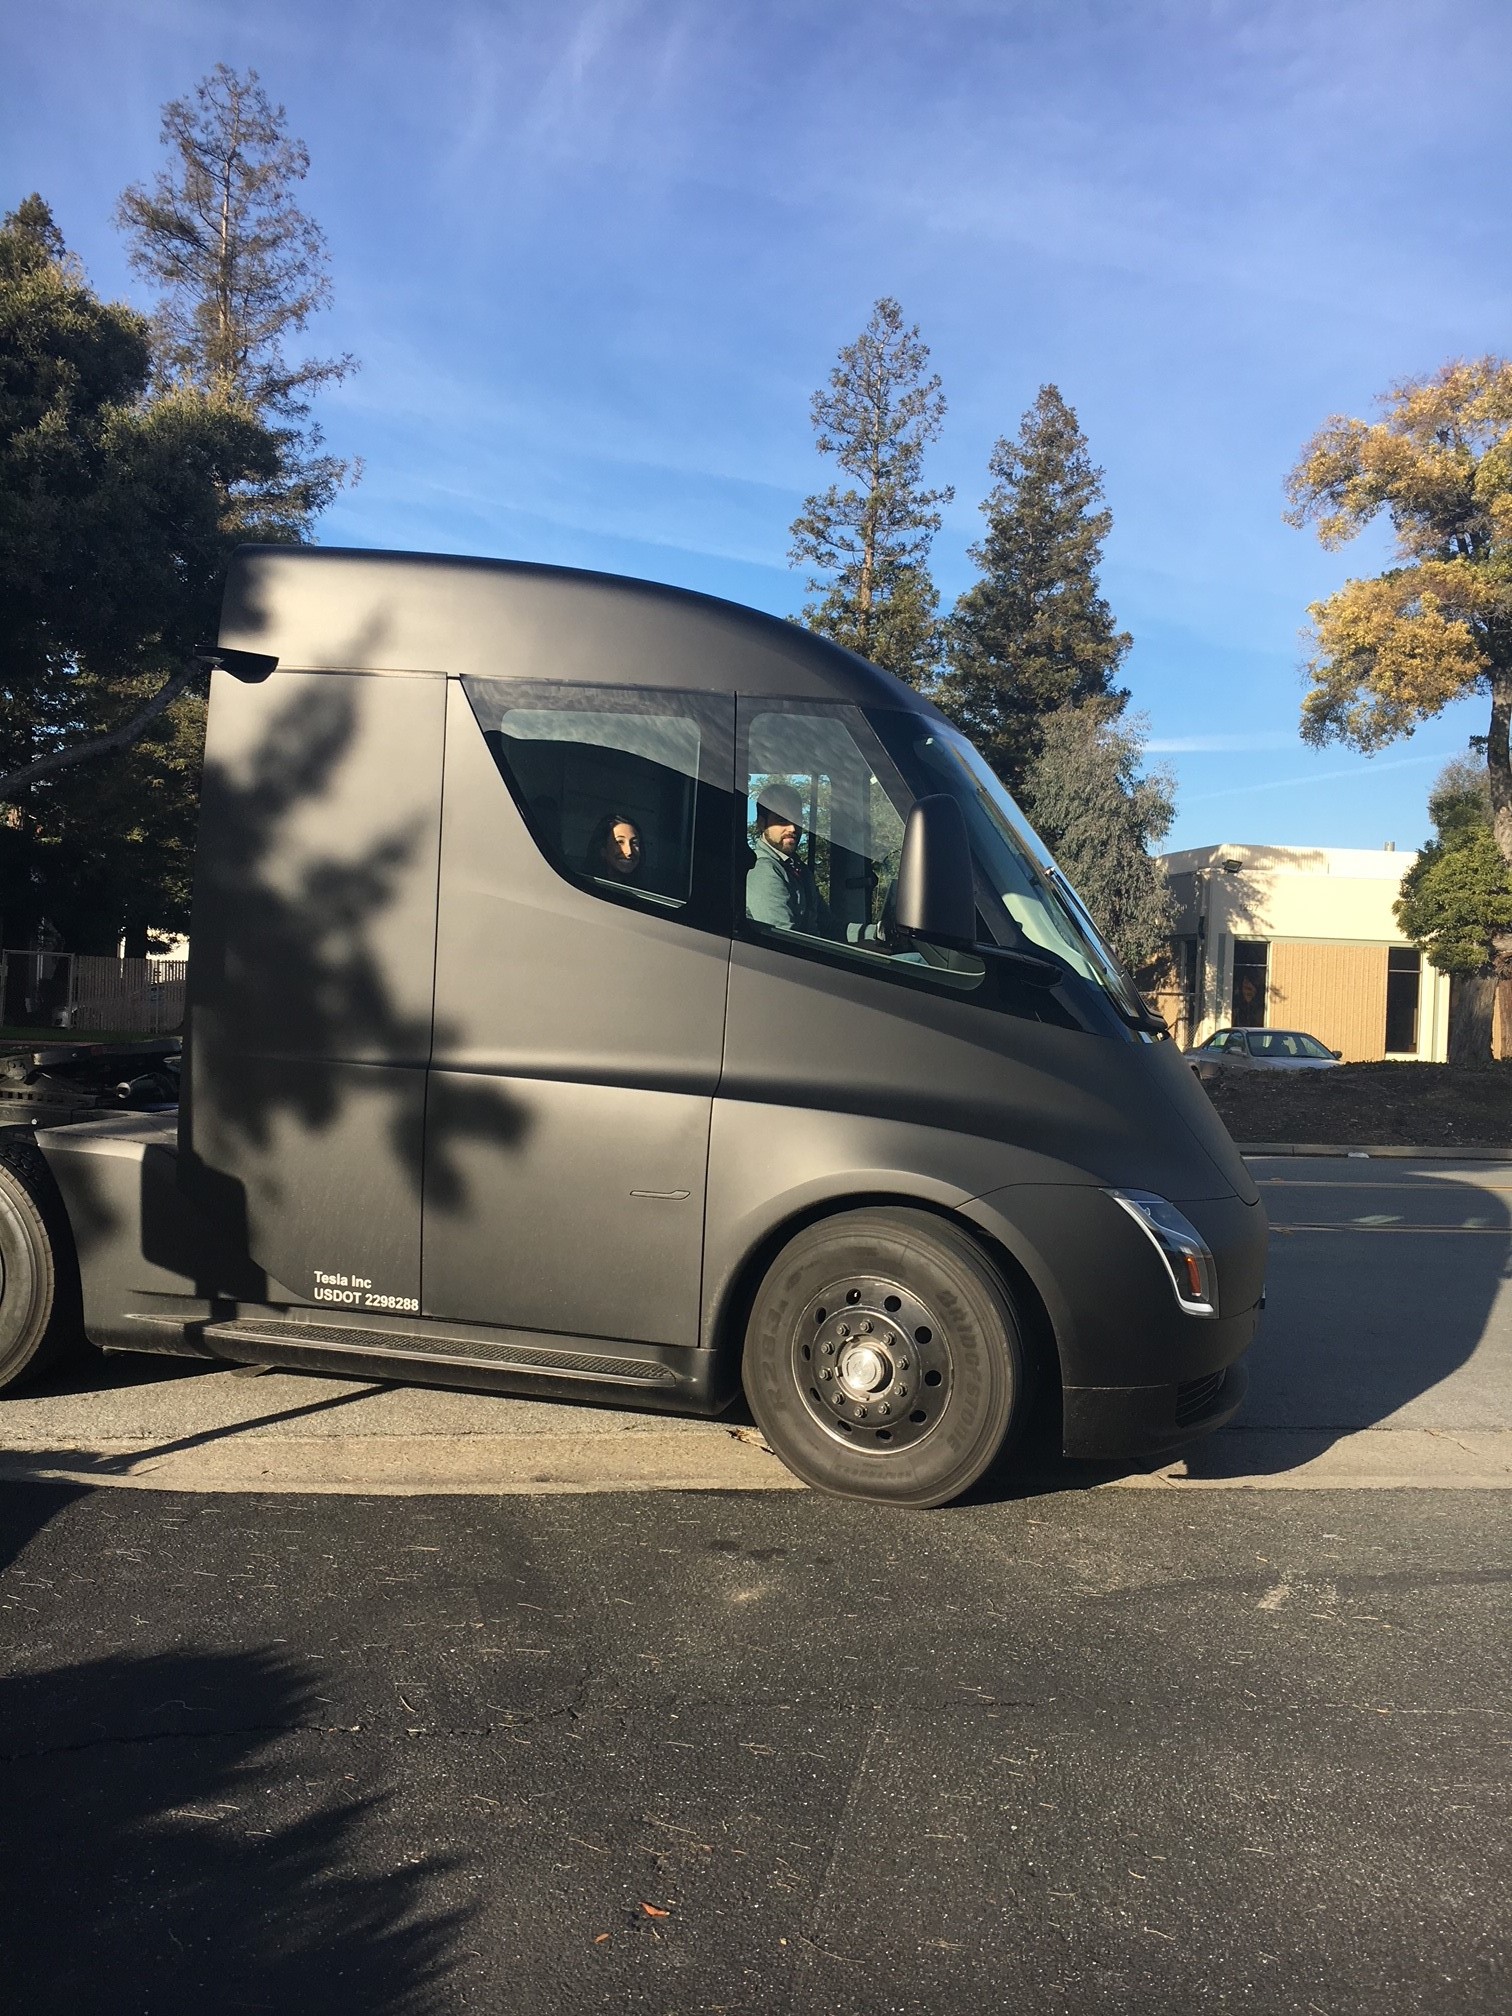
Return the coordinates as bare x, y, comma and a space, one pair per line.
1231, 864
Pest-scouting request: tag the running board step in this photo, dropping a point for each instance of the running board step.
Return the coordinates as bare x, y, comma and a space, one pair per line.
413, 1344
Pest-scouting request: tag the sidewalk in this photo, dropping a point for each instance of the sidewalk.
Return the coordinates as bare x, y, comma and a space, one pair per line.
154, 1426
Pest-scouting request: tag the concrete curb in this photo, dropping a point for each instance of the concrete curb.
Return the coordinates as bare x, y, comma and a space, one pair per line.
1371, 1152
386, 1466
724, 1459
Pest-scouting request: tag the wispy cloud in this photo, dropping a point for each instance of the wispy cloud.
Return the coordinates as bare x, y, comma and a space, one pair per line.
1372, 769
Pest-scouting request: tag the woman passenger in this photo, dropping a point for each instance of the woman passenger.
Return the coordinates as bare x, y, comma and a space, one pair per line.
614, 849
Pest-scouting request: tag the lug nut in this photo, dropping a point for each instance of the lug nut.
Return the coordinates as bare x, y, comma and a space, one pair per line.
866, 1329
902, 1392
902, 1362
825, 1372
860, 1413
845, 1329
884, 1408
827, 1348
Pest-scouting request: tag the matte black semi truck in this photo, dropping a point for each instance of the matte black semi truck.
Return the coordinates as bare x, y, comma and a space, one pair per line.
597, 986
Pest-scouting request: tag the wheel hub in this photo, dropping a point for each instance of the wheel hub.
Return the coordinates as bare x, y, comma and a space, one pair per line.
863, 1369
873, 1364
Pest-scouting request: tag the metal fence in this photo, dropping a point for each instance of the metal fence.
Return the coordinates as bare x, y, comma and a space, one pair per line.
81, 991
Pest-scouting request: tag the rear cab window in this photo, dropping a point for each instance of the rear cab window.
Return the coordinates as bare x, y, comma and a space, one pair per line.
626, 791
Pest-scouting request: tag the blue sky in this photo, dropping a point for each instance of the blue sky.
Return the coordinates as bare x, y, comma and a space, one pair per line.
596, 255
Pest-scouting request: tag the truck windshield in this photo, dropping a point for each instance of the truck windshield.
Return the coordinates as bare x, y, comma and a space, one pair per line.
1033, 906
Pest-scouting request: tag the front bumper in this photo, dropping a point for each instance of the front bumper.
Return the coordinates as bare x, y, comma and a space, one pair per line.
1108, 1421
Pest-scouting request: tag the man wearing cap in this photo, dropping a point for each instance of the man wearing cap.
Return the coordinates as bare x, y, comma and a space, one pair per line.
780, 889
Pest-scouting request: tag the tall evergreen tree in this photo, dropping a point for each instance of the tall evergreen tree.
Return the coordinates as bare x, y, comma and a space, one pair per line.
1034, 634
869, 544
1101, 814
116, 521
242, 268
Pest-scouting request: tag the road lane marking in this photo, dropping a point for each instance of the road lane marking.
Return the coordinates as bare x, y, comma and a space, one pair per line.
1353, 1225
1424, 1182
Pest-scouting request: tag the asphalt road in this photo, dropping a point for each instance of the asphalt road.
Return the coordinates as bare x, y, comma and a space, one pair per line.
754, 1752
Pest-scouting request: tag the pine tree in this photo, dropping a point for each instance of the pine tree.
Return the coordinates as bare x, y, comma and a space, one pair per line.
869, 545
1034, 634
242, 269
1456, 903
1101, 814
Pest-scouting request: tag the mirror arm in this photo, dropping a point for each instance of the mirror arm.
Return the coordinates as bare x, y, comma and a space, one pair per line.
1030, 966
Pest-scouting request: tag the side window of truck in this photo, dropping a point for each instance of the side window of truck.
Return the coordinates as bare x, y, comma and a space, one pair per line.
623, 789
825, 811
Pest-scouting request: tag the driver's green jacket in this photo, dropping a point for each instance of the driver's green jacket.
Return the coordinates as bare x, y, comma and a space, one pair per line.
782, 893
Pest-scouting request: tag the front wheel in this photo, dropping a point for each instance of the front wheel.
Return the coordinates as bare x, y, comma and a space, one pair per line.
883, 1358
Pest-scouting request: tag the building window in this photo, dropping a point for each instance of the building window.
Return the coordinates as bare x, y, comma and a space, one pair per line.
1404, 966
1251, 962
1189, 979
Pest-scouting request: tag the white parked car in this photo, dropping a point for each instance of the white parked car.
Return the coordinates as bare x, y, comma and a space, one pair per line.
1262, 1050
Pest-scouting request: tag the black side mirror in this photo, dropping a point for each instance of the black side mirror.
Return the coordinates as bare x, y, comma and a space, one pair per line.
251, 667
936, 894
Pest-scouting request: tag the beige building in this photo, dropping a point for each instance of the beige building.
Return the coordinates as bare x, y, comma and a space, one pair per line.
1301, 938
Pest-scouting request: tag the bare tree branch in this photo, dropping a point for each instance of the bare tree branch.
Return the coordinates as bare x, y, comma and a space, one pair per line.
101, 745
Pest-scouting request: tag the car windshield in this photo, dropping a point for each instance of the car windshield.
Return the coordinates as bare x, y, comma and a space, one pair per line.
1032, 899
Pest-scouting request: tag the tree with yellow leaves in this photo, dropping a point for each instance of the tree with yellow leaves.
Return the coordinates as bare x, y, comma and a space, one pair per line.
1393, 651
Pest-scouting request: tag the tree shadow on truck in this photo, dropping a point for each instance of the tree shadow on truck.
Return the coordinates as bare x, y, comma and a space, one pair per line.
302, 1149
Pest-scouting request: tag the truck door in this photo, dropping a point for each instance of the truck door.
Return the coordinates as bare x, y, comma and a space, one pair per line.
310, 985
581, 963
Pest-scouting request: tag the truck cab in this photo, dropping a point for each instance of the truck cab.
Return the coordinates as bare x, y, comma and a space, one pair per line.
595, 985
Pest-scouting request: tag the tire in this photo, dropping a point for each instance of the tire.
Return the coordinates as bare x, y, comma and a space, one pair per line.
883, 1358
39, 1311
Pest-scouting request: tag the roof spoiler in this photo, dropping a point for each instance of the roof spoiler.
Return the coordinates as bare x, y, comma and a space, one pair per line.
251, 667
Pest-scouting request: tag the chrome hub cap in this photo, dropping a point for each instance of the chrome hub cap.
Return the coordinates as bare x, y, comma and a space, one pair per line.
873, 1364
863, 1370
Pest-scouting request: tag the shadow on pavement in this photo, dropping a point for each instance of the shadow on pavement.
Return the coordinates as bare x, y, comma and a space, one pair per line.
1382, 1284
158, 1857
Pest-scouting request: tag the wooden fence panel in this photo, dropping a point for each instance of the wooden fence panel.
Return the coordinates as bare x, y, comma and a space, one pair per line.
132, 996
1335, 992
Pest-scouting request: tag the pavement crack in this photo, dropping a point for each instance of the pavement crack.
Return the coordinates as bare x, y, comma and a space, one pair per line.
808, 1938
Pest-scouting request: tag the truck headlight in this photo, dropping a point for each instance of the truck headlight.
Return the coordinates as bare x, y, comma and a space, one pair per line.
1182, 1247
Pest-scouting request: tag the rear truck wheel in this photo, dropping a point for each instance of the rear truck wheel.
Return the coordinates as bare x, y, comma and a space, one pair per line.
883, 1358
39, 1318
